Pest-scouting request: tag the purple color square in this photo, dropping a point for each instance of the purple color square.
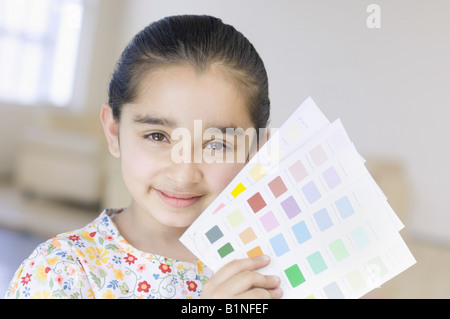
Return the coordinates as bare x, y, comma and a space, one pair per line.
331, 177
290, 207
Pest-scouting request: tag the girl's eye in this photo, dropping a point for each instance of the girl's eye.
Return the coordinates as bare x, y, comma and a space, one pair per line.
216, 146
157, 137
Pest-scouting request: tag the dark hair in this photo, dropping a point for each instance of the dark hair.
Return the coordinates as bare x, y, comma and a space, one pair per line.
200, 41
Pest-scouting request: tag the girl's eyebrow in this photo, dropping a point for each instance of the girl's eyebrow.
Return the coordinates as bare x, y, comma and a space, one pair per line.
229, 130
148, 119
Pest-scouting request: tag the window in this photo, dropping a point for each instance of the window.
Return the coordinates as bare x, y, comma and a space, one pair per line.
38, 50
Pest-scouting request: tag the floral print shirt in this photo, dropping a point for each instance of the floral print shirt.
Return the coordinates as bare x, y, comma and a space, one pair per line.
97, 262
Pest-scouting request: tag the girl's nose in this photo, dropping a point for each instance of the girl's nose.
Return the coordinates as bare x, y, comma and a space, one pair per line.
184, 174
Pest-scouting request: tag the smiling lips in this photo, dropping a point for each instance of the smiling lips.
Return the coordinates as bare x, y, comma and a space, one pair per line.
178, 200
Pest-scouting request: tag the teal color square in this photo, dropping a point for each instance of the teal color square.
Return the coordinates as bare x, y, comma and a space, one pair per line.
360, 237
317, 263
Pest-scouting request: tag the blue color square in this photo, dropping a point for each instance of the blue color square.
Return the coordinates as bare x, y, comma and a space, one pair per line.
301, 232
279, 245
311, 192
344, 207
214, 234
323, 220
332, 291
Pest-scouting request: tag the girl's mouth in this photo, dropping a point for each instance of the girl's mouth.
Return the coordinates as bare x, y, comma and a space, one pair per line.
178, 200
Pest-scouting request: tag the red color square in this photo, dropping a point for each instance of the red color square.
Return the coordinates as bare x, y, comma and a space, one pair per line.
256, 202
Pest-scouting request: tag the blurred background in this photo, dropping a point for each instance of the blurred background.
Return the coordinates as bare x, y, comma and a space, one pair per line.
383, 69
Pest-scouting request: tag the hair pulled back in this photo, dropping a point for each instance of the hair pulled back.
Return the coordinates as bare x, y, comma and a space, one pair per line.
200, 41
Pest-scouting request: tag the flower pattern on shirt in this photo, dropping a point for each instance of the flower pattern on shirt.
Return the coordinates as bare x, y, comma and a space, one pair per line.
97, 262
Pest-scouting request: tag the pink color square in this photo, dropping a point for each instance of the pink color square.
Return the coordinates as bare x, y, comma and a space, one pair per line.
318, 155
298, 171
222, 205
269, 221
277, 186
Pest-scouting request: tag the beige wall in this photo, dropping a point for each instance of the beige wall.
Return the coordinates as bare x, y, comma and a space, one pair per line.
99, 51
390, 86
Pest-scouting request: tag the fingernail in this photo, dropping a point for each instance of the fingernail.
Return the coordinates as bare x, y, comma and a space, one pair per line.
278, 292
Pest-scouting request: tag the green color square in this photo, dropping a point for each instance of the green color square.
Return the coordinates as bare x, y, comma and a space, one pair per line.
338, 250
377, 268
294, 275
316, 262
235, 218
225, 250
356, 280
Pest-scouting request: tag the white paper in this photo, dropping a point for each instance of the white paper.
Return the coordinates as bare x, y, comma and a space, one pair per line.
315, 210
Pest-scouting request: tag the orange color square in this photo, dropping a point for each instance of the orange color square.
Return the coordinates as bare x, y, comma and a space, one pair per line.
255, 252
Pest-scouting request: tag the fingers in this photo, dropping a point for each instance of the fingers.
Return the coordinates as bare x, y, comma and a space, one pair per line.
256, 286
238, 279
240, 265
246, 280
259, 293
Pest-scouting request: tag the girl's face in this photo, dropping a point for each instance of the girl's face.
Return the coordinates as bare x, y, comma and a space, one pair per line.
163, 190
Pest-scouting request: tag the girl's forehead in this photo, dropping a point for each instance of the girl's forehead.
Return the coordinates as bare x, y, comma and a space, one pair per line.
179, 95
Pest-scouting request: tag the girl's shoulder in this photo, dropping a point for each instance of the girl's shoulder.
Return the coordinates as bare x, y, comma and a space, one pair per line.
95, 261
78, 246
59, 262
73, 242
97, 232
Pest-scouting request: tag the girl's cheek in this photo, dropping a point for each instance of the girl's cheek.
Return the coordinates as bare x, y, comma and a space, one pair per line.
220, 175
140, 163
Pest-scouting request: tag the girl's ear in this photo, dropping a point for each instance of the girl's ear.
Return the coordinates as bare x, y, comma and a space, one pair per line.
111, 129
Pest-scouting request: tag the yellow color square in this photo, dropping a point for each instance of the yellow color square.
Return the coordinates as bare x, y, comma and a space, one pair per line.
235, 218
238, 189
257, 172
356, 280
293, 134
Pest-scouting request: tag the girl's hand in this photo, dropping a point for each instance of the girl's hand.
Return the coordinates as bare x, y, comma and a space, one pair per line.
238, 279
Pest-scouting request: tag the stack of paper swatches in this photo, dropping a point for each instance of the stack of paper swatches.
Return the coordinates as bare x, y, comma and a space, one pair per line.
307, 200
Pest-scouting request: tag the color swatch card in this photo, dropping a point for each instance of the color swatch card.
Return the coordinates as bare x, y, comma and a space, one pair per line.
315, 210
306, 121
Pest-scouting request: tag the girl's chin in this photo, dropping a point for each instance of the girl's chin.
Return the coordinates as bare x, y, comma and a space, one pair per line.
181, 221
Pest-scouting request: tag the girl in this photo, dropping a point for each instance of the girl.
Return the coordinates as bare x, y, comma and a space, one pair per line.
173, 73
